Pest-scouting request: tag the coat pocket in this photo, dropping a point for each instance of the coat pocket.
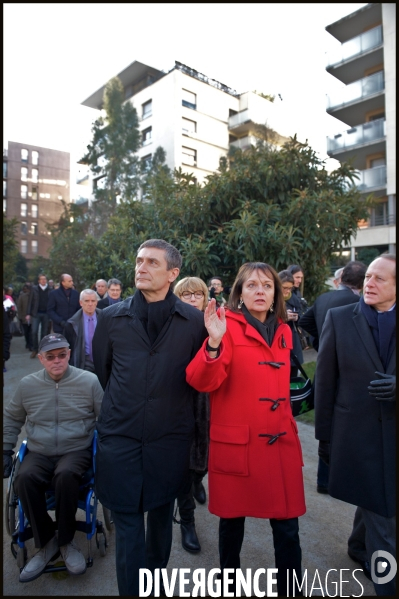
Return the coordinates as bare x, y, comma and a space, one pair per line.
229, 449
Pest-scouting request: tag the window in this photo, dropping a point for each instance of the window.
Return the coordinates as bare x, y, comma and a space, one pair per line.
189, 156
24, 209
35, 212
34, 229
188, 126
147, 134
5, 169
24, 192
24, 173
189, 99
34, 193
146, 162
24, 246
4, 189
45, 195
35, 175
147, 109
4, 206
34, 245
24, 155
24, 228
35, 157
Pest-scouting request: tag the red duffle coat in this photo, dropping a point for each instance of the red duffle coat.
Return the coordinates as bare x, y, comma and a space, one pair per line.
248, 475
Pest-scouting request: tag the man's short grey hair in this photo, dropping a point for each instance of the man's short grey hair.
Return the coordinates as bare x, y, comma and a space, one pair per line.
172, 255
89, 292
114, 282
101, 281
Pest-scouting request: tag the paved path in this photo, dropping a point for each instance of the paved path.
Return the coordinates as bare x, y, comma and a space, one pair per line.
324, 531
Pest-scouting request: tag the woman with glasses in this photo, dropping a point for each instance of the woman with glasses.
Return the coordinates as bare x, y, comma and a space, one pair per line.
255, 458
194, 291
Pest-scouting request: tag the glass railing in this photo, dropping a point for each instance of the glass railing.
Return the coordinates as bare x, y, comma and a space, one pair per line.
239, 118
372, 178
244, 142
361, 134
357, 90
356, 46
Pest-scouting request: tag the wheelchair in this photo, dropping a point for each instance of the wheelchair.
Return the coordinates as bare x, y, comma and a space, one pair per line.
20, 531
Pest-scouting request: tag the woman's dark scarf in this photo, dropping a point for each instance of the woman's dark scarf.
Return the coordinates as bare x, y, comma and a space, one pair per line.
154, 315
266, 329
383, 328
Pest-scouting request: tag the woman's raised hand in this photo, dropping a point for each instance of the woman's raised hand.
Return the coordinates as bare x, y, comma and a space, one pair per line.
215, 324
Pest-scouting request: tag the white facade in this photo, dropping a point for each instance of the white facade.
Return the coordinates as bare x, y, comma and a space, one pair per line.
195, 119
366, 65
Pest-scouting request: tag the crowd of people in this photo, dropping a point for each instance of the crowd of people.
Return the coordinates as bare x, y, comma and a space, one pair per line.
194, 380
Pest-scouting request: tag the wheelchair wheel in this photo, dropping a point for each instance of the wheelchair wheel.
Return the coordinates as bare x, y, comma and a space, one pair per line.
11, 502
102, 545
107, 518
22, 556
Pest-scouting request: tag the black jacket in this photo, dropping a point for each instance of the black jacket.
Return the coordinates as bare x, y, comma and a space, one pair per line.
361, 429
104, 303
33, 304
312, 321
74, 334
60, 308
146, 422
294, 304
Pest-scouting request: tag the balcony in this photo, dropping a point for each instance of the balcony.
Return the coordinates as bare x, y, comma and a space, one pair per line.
356, 46
344, 103
372, 179
358, 139
244, 142
5, 153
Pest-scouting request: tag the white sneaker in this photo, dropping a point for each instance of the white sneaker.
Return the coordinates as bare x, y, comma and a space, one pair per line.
38, 563
73, 558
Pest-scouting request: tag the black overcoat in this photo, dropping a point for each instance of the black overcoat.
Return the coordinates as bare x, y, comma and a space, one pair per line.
146, 424
361, 429
60, 307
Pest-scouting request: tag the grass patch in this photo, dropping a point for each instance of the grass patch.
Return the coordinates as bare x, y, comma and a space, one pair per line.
308, 418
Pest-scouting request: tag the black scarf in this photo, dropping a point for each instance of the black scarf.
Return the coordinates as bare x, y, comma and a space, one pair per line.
154, 315
383, 328
266, 329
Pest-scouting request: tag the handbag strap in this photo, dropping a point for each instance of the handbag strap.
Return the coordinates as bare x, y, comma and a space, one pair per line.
298, 365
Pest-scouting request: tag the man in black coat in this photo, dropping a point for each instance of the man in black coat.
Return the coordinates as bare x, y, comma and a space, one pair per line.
351, 284
113, 295
79, 331
62, 303
36, 313
355, 407
141, 349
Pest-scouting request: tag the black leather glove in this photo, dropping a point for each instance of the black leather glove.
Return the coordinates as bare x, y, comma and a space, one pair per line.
384, 388
324, 451
7, 463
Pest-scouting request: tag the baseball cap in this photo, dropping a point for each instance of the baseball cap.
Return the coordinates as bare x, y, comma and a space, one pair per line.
53, 341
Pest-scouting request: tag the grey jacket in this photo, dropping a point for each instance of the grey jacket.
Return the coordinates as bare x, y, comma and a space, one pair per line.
59, 416
74, 333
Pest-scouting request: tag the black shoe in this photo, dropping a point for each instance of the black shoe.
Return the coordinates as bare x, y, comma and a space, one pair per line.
189, 539
199, 492
322, 489
365, 565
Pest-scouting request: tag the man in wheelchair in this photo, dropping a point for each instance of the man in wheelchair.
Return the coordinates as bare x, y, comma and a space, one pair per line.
58, 406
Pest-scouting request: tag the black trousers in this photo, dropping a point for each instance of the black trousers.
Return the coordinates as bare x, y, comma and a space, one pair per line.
27, 334
287, 549
186, 502
36, 474
136, 549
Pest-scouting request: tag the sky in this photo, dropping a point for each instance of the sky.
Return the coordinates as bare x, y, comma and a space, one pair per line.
56, 55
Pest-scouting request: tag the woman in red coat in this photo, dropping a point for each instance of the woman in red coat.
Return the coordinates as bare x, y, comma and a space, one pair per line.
255, 458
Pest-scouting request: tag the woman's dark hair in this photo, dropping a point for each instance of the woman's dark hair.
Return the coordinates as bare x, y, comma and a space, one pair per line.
286, 277
294, 268
244, 273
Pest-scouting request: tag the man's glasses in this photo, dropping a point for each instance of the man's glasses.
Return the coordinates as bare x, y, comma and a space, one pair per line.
196, 294
51, 357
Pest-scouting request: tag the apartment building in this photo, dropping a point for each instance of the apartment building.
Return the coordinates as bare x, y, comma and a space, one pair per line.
365, 64
195, 119
35, 180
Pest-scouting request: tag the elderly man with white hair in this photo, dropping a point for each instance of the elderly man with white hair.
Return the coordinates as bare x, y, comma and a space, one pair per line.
101, 288
80, 328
